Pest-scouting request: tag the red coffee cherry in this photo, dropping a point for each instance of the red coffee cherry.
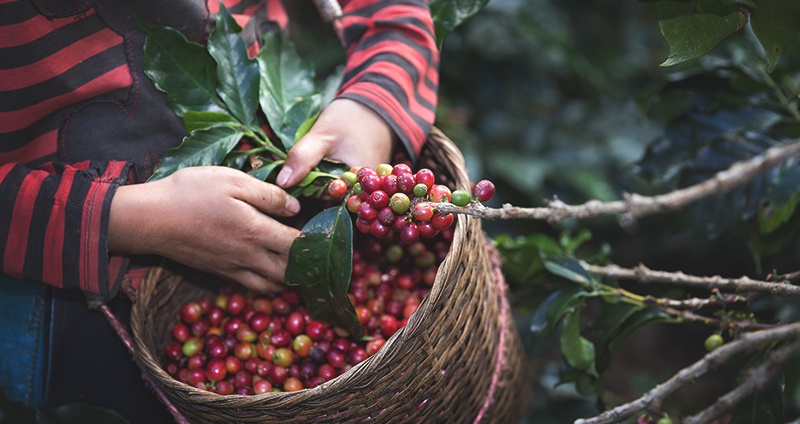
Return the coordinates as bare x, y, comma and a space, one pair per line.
483, 190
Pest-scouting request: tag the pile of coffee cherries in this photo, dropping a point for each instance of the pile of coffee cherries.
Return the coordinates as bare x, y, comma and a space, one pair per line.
237, 342
394, 198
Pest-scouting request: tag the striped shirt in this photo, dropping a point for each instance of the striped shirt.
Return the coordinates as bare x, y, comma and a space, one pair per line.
78, 117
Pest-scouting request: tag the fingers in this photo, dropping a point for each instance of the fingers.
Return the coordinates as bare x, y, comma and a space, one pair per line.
269, 198
256, 282
303, 157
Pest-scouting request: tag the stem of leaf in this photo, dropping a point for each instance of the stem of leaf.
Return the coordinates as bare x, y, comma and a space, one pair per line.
780, 94
265, 145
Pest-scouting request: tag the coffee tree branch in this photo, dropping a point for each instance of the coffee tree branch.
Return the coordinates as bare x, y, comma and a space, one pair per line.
747, 342
756, 379
738, 285
635, 206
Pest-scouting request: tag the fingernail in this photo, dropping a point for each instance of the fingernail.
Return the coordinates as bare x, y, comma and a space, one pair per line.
292, 205
284, 175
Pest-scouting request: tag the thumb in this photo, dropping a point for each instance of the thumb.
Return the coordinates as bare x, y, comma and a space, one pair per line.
302, 157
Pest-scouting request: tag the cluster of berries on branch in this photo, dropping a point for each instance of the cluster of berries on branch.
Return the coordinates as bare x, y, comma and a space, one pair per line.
394, 198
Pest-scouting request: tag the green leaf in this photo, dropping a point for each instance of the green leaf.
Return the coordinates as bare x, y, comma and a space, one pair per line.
776, 24
194, 120
568, 268
237, 73
693, 28
299, 114
303, 129
781, 201
286, 80
320, 264
577, 350
448, 14
610, 324
635, 322
311, 183
548, 314
200, 148
182, 69
263, 172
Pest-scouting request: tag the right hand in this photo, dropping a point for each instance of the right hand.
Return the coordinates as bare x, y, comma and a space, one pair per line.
211, 218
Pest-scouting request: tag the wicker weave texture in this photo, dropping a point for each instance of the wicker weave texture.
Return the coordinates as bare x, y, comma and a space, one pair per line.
438, 368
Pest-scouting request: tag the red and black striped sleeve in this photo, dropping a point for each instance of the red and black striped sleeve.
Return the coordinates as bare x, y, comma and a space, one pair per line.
54, 223
392, 64
54, 216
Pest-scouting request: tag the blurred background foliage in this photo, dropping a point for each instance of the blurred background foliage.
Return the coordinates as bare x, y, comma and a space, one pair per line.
566, 98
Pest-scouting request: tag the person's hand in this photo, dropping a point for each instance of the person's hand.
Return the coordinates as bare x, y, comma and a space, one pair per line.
346, 131
214, 219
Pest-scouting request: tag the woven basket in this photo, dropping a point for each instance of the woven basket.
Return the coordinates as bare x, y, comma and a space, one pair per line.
459, 358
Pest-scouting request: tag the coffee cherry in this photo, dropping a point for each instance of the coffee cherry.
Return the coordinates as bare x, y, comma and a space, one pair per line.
235, 304
337, 189
262, 386
367, 212
420, 190
439, 193
426, 229
192, 346
442, 221
401, 168
259, 322
349, 178
216, 370
378, 199
292, 384
174, 351
190, 312
400, 203
383, 169
483, 190
460, 198
283, 357
277, 375
223, 388
196, 377
242, 379
409, 233
364, 171
374, 345
352, 203
386, 216
295, 323
370, 183
389, 325
422, 212
713, 341
378, 229
180, 332
389, 184
406, 183
336, 358
280, 306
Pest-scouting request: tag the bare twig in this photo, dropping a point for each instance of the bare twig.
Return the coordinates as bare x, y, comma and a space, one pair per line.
634, 205
688, 375
695, 303
737, 285
756, 379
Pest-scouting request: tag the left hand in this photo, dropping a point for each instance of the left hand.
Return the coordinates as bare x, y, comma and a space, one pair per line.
346, 131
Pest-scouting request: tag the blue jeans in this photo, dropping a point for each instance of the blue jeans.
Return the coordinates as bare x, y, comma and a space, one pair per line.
23, 346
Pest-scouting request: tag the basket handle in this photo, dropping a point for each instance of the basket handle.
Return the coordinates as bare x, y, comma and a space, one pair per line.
123, 334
